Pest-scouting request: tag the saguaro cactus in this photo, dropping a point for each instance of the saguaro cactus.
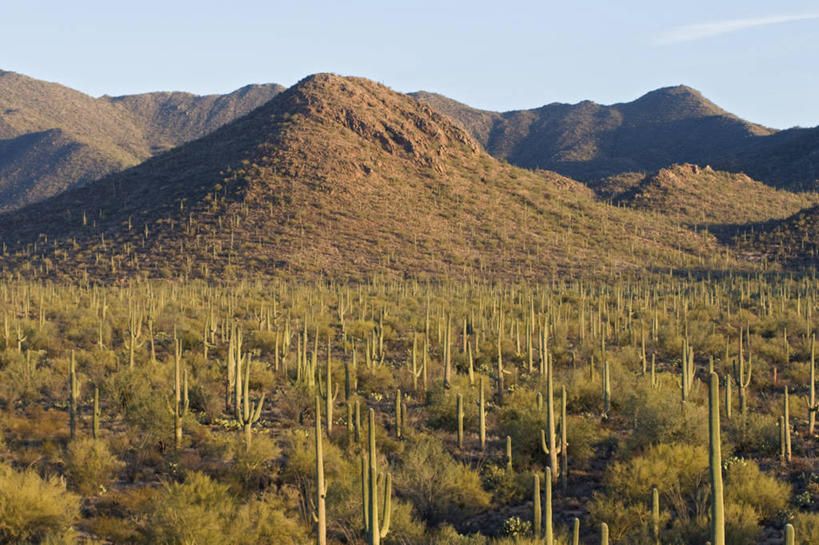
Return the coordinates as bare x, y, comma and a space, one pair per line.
655, 515
74, 393
181, 402
482, 416
246, 413
715, 463
606, 389
742, 379
460, 411
812, 406
320, 516
548, 438
789, 534
549, 527
786, 429
537, 515
95, 423
604, 533
369, 492
329, 395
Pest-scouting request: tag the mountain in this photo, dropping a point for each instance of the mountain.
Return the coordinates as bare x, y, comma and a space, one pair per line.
339, 177
703, 196
589, 141
792, 242
53, 137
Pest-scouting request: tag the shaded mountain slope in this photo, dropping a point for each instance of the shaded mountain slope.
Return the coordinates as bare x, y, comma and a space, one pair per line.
589, 141
341, 177
96, 135
703, 196
793, 241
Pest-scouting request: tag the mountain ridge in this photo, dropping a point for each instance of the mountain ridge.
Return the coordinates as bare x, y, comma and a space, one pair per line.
671, 125
338, 177
112, 132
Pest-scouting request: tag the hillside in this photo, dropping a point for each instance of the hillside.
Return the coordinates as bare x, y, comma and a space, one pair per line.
590, 142
793, 241
703, 196
53, 137
341, 177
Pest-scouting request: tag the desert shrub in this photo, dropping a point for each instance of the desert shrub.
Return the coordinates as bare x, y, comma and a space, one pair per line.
746, 485
658, 417
439, 487
33, 510
201, 511
447, 535
522, 421
90, 466
806, 528
253, 468
680, 472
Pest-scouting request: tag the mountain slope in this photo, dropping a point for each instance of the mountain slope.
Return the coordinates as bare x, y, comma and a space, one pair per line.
588, 141
341, 177
793, 241
703, 196
96, 135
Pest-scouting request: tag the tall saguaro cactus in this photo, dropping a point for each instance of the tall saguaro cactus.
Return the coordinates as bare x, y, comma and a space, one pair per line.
548, 438
742, 378
715, 463
181, 402
812, 406
320, 515
369, 492
246, 413
74, 392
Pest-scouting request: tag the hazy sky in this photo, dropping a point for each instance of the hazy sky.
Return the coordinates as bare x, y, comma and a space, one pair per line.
756, 58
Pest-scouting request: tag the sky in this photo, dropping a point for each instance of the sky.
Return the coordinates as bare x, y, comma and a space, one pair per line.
755, 58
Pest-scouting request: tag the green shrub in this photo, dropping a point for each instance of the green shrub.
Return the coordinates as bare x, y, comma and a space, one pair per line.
745, 484
33, 510
90, 466
439, 487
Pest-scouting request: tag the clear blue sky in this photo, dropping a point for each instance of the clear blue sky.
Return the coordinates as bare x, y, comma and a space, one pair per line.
756, 58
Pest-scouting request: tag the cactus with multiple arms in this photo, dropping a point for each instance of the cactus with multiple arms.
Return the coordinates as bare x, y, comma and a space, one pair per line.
369, 491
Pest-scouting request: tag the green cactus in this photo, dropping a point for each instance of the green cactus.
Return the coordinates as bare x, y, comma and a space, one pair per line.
459, 408
482, 415
655, 515
369, 491
549, 527
357, 421
687, 378
715, 463
786, 427
548, 437
179, 407
74, 393
329, 395
789, 534
95, 423
729, 399
606, 389
604, 533
537, 515
399, 415
509, 467
246, 413
812, 405
320, 516
576, 531
742, 378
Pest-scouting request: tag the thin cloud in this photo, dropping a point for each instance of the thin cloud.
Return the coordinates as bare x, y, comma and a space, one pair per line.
688, 33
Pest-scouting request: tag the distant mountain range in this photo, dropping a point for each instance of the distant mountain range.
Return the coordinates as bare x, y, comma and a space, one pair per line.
342, 177
589, 141
339, 177
53, 138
